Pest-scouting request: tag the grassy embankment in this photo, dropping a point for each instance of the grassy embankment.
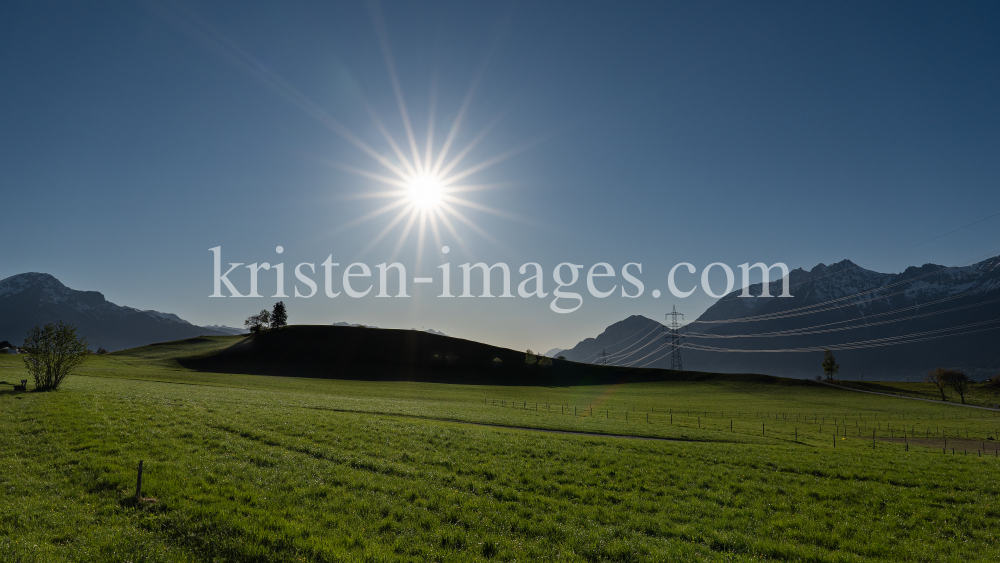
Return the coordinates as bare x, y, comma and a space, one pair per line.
258, 468
979, 394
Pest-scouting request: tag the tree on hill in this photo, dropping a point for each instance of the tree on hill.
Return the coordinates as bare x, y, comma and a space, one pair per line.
52, 352
830, 365
279, 317
956, 379
992, 385
530, 358
258, 322
946, 377
937, 377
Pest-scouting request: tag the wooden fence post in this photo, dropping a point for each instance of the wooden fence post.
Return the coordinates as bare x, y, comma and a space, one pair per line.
138, 483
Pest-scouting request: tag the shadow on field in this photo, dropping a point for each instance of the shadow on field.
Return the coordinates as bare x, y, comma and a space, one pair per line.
990, 447
7, 388
359, 353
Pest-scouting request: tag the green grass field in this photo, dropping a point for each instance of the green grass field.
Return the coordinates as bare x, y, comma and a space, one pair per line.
978, 395
258, 468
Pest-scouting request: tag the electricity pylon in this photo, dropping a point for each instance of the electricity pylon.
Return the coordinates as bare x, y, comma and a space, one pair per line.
675, 340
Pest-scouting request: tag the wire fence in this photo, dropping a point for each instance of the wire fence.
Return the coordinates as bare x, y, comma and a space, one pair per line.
977, 433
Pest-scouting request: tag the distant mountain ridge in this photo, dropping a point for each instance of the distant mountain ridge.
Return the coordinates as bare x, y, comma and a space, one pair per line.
342, 323
933, 316
227, 329
32, 299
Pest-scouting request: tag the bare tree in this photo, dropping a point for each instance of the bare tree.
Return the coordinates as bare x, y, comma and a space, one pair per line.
830, 365
954, 378
52, 352
957, 380
937, 377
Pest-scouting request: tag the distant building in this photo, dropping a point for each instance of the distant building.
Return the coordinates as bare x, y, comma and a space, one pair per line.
10, 350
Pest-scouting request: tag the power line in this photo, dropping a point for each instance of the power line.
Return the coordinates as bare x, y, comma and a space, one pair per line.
622, 355
859, 345
955, 231
813, 329
974, 260
620, 341
828, 305
657, 349
872, 343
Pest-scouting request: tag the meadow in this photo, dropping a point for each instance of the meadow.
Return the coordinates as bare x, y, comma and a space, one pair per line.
259, 468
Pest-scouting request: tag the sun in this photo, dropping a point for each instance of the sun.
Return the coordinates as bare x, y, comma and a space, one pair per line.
427, 183
428, 187
425, 192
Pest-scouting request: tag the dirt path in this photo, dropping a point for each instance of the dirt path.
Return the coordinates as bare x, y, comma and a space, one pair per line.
512, 427
574, 433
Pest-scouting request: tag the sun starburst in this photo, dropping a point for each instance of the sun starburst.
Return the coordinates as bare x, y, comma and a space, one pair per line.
423, 183
423, 186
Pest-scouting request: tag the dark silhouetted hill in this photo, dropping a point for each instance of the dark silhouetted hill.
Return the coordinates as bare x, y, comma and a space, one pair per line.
339, 352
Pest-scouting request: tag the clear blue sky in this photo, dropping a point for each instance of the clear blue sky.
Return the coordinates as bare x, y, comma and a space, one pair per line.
137, 135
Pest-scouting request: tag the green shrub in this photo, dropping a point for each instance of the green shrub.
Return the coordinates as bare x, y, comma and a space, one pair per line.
52, 352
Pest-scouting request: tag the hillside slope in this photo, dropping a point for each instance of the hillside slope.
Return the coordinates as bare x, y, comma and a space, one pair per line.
382, 354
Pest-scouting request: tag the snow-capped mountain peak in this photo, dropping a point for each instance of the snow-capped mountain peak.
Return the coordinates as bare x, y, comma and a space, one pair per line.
34, 298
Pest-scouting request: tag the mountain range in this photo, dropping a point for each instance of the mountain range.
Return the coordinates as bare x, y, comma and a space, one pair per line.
879, 326
429, 330
227, 329
32, 299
